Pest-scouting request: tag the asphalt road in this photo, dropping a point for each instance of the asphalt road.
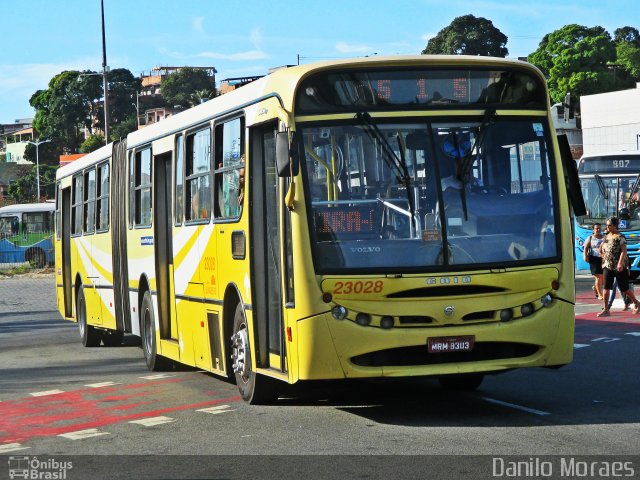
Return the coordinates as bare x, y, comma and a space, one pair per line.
102, 409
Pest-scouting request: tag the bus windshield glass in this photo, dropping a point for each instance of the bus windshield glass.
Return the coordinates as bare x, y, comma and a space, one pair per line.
419, 196
420, 89
606, 196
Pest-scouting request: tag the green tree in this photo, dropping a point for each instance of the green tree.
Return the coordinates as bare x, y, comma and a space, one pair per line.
469, 35
64, 109
200, 96
123, 87
627, 41
25, 188
577, 59
122, 129
92, 143
178, 88
73, 102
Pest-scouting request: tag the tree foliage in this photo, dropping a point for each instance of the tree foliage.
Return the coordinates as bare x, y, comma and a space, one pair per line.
92, 143
73, 103
578, 59
122, 129
627, 41
179, 87
469, 35
25, 189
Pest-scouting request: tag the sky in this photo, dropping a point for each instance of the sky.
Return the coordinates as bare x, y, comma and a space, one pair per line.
42, 38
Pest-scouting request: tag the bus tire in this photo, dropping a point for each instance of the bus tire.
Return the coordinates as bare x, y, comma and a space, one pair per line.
254, 388
36, 258
154, 361
89, 335
463, 382
112, 338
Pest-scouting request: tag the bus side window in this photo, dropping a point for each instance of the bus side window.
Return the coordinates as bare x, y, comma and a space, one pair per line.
230, 168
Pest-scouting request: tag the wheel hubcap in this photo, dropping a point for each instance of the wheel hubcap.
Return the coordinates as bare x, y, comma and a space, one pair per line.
239, 355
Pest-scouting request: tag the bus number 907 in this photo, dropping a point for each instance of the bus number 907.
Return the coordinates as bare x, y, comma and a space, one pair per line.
620, 163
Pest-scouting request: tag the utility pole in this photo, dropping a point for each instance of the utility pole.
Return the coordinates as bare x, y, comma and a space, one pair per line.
37, 145
105, 85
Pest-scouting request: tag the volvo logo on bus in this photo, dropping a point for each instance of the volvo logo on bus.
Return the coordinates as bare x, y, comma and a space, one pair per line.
448, 310
366, 249
448, 280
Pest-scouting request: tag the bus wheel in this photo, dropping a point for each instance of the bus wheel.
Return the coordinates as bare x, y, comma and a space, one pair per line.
154, 361
112, 338
36, 257
464, 382
254, 388
89, 335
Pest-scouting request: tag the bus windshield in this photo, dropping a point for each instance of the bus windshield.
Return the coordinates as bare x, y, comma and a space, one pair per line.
419, 196
606, 196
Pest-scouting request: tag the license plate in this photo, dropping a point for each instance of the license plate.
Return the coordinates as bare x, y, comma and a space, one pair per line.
451, 344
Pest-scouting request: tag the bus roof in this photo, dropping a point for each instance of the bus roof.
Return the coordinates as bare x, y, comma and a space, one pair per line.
613, 153
27, 208
272, 84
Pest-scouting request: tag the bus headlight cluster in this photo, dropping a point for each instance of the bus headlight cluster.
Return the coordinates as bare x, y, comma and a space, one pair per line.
365, 319
527, 309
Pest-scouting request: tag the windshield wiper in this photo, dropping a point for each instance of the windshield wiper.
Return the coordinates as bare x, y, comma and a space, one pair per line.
601, 187
635, 186
466, 163
397, 164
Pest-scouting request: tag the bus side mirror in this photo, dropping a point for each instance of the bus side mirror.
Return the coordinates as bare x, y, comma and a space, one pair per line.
286, 154
571, 177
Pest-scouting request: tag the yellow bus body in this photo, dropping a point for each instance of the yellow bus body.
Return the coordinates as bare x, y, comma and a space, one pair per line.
206, 283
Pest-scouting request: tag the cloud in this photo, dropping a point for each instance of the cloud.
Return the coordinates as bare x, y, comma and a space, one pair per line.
344, 47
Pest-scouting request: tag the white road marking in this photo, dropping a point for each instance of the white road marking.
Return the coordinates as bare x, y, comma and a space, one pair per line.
12, 447
102, 384
611, 340
150, 422
157, 376
634, 334
217, 409
82, 434
580, 345
48, 392
517, 407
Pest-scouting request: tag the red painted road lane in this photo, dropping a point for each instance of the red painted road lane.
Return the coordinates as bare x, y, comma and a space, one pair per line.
26, 418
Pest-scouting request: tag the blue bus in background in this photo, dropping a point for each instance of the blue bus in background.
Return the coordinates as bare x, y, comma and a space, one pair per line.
26, 235
610, 182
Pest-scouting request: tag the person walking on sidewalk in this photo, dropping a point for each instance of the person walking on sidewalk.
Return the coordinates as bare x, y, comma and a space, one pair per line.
593, 258
613, 251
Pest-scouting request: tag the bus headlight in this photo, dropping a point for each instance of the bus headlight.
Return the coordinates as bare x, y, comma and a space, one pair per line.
386, 322
526, 309
363, 319
546, 300
339, 312
506, 315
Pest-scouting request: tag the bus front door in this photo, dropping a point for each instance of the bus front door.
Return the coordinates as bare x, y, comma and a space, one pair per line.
266, 241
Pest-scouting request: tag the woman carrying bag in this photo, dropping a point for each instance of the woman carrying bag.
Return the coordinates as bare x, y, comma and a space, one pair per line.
613, 251
593, 258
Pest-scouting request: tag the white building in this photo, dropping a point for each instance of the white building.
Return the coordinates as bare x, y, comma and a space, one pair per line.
611, 121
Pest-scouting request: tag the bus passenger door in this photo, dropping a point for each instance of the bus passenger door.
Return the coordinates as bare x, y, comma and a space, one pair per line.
162, 224
66, 252
266, 242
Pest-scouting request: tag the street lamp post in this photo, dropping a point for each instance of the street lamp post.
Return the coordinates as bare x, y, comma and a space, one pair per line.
105, 85
37, 144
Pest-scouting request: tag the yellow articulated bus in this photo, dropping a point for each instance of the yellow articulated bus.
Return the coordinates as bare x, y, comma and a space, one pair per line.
362, 218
